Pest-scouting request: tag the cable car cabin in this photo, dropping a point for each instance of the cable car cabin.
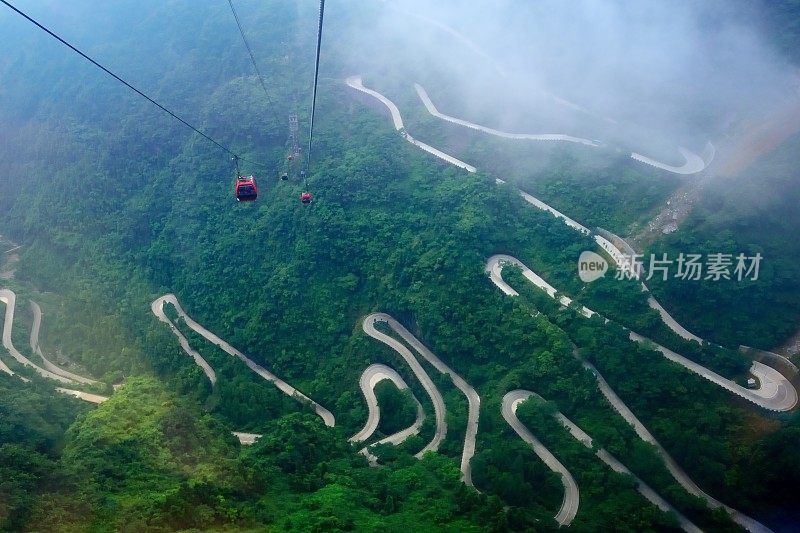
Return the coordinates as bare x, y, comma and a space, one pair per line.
246, 189
284, 176
305, 197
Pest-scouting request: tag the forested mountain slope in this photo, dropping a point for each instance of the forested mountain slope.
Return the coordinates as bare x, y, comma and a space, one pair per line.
114, 205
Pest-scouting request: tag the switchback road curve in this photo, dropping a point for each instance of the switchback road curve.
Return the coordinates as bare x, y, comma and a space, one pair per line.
36, 349
776, 393
494, 268
429, 105
569, 505
439, 408
9, 298
473, 399
514, 398
370, 378
356, 83
693, 163
680, 476
158, 309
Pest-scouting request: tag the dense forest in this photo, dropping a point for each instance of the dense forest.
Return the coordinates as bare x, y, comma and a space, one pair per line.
115, 204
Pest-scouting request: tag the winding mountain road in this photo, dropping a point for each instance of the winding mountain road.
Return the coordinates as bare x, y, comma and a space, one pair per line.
495, 265
36, 349
439, 408
370, 378
571, 501
643, 488
582, 437
693, 163
473, 399
158, 309
9, 298
356, 83
772, 384
429, 105
776, 393
494, 268
674, 468
624, 262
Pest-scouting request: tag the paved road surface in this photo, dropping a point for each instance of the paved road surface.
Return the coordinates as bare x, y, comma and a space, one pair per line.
356, 83
692, 165
370, 378
571, 501
494, 268
773, 385
373, 375
674, 468
85, 396
10, 299
36, 349
776, 393
439, 408
157, 308
555, 212
429, 105
473, 400
495, 265
623, 261
644, 489
246, 439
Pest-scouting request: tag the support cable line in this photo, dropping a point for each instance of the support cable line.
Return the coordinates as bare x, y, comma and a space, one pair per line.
128, 85
316, 80
253, 60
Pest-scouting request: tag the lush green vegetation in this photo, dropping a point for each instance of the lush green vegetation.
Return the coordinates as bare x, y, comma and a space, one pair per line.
754, 212
674, 405
135, 207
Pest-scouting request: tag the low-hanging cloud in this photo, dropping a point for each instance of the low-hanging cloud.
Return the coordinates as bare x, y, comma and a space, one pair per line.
669, 71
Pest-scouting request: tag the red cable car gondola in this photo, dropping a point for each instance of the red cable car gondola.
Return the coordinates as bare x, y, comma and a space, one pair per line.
305, 197
246, 189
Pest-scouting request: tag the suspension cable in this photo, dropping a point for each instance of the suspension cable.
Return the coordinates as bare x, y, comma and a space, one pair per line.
128, 85
253, 60
316, 80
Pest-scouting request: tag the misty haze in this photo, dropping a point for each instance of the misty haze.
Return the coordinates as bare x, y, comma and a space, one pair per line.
384, 265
